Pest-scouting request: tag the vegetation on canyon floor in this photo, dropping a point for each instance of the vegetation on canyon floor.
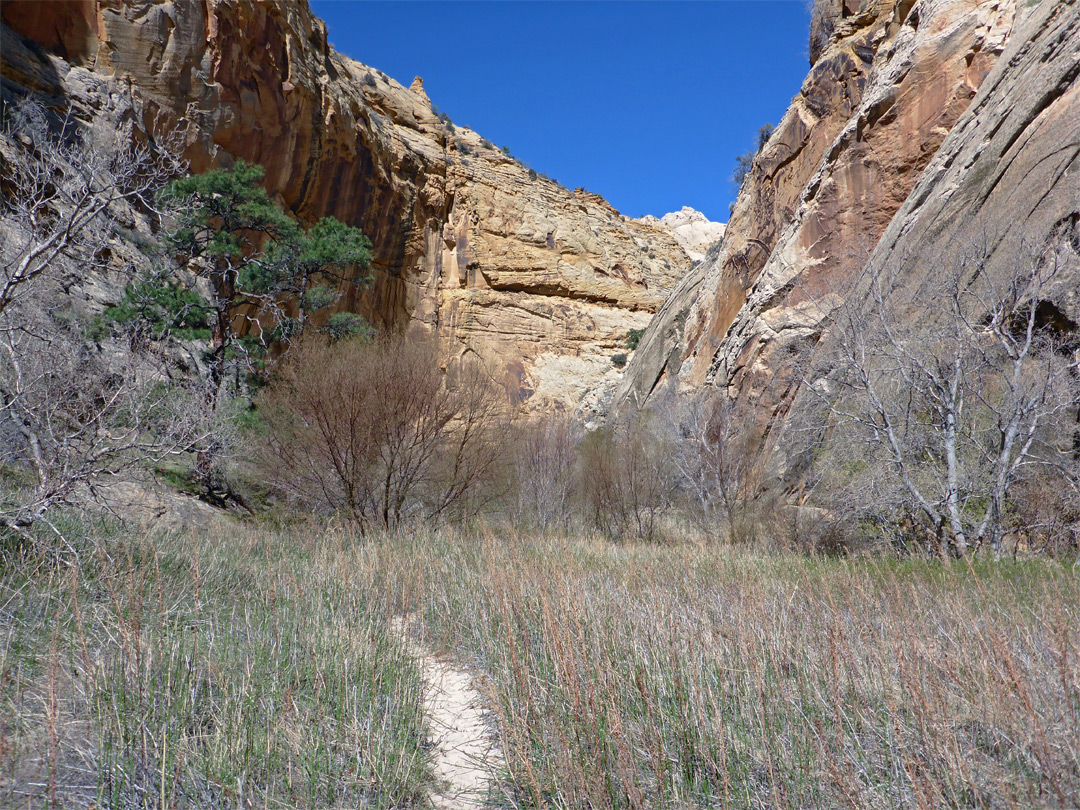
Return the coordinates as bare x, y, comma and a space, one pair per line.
932, 434
262, 667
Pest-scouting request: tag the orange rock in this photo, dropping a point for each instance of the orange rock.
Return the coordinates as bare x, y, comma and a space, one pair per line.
468, 244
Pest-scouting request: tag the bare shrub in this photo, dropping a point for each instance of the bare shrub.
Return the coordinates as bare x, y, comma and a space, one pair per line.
372, 429
62, 188
712, 461
545, 456
71, 413
626, 480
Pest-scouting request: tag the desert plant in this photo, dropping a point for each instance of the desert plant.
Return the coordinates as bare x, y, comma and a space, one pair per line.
712, 459
372, 429
764, 132
625, 480
745, 162
61, 184
257, 260
71, 414
249, 277
545, 453
200, 671
675, 676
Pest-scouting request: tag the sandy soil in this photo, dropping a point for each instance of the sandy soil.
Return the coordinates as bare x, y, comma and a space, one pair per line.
466, 752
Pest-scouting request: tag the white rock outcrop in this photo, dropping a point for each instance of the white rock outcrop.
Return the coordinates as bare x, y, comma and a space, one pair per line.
695, 232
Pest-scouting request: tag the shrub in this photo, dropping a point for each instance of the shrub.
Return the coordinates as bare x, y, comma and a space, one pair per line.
545, 453
633, 338
372, 430
743, 164
764, 132
618, 360
625, 481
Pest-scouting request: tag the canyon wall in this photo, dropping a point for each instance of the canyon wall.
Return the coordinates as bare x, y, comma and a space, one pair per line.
1002, 191
921, 126
889, 79
541, 282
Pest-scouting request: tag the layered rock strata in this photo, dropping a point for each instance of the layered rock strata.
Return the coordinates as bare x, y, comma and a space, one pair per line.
889, 81
1001, 192
926, 129
470, 245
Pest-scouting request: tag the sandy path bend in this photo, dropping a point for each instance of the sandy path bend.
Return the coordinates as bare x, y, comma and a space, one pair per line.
466, 754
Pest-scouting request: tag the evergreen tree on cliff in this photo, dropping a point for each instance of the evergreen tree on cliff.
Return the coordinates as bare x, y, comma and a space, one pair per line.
265, 273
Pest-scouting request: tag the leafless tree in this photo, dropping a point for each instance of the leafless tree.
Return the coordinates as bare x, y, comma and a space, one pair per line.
373, 429
62, 185
940, 418
626, 479
71, 413
545, 456
712, 461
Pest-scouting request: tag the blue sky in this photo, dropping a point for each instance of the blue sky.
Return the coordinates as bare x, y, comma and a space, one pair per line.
646, 103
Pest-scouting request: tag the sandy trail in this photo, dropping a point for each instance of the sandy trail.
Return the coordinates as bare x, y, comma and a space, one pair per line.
466, 753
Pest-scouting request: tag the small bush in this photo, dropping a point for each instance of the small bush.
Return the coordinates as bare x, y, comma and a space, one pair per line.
625, 481
743, 164
618, 360
763, 134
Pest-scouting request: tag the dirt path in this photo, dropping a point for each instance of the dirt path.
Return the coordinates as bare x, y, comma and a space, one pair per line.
466, 752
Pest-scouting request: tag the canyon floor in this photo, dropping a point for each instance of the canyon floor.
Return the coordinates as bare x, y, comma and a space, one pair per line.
308, 667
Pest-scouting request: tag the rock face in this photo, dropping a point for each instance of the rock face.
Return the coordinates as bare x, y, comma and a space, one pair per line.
925, 129
1005, 186
692, 229
468, 244
889, 80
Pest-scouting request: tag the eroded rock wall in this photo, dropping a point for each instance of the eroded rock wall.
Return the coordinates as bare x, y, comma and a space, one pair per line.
1001, 192
889, 81
541, 281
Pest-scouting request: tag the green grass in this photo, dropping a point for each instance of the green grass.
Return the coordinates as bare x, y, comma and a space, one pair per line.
248, 670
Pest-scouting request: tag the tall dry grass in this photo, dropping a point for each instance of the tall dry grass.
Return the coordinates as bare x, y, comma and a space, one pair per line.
261, 669
647, 677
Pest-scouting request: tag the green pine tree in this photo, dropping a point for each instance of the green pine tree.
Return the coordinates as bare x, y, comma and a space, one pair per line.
259, 265
258, 260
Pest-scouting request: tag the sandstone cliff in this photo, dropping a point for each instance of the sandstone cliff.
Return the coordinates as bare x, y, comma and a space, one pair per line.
924, 127
541, 281
889, 80
1004, 187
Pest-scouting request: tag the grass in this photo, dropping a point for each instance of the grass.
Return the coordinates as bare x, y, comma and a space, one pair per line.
686, 677
261, 669
248, 670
